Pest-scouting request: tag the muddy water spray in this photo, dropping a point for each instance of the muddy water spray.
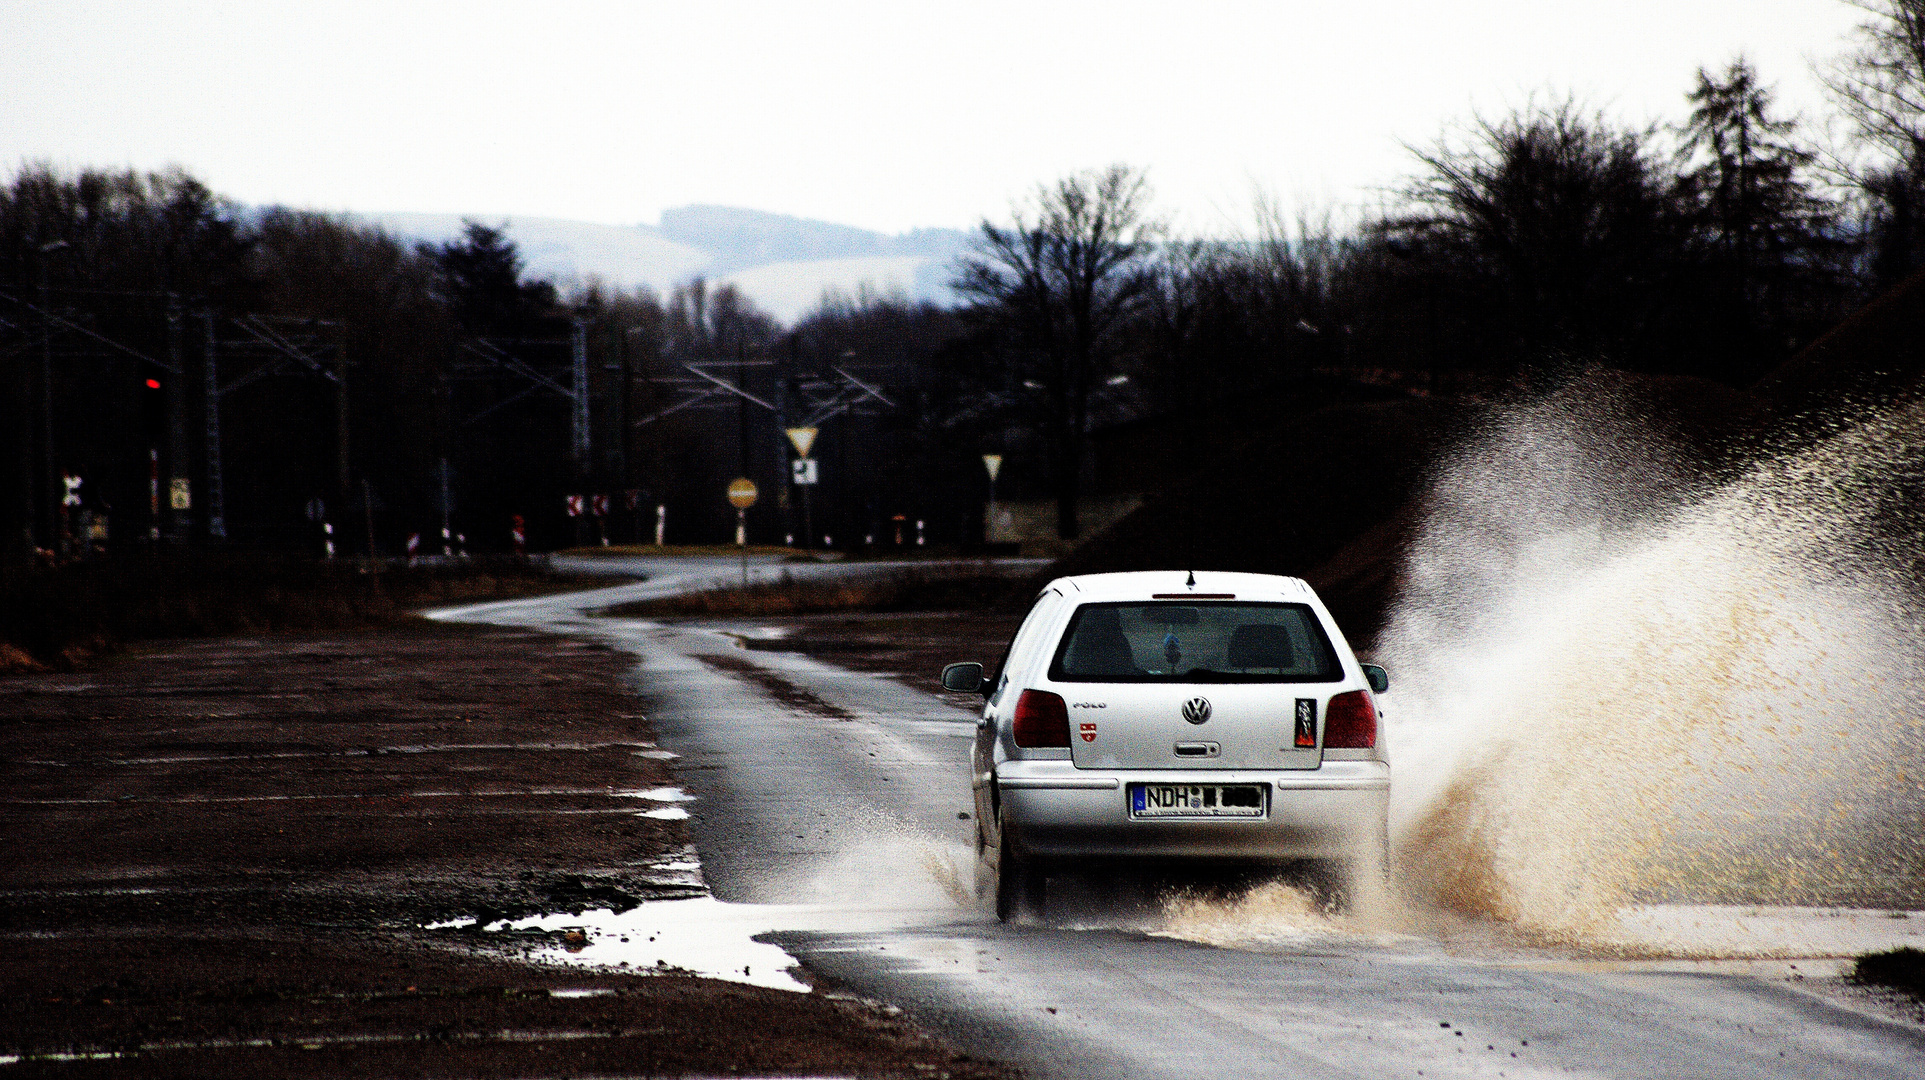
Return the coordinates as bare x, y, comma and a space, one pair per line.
1608, 694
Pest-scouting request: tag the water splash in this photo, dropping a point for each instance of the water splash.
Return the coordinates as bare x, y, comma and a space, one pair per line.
1621, 683
886, 865
1273, 912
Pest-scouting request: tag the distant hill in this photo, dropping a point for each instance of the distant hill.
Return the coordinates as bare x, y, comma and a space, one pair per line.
785, 264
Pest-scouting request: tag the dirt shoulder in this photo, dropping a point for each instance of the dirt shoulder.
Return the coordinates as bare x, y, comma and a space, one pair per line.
220, 855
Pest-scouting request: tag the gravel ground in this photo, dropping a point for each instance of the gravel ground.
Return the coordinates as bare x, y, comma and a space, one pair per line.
220, 856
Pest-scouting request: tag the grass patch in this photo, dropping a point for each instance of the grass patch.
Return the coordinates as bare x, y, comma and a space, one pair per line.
1902, 970
907, 590
62, 618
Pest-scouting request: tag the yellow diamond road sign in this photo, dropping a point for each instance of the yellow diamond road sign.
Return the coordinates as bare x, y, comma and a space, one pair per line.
742, 494
803, 438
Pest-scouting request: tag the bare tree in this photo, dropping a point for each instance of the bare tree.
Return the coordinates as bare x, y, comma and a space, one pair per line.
705, 322
1880, 87
1064, 278
1563, 223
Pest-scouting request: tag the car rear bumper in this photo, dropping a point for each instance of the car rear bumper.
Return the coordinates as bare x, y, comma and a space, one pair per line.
1056, 810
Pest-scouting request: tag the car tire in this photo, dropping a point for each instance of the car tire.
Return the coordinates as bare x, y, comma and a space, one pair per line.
986, 859
1366, 877
1017, 882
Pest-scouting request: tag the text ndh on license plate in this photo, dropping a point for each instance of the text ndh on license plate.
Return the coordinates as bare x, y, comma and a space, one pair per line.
1196, 800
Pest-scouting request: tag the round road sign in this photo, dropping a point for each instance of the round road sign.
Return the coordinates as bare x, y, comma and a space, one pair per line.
741, 494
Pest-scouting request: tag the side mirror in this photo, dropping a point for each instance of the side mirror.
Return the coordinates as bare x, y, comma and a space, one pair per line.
1378, 678
963, 678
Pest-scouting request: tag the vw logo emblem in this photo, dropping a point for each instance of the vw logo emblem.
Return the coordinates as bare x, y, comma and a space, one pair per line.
1196, 710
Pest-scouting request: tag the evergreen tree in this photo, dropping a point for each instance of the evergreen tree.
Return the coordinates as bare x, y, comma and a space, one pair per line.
481, 282
1767, 241
1742, 164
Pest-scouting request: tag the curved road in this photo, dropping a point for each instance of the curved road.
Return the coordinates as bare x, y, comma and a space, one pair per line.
838, 797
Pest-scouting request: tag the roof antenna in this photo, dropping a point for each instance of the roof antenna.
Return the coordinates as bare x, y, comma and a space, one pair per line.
1192, 582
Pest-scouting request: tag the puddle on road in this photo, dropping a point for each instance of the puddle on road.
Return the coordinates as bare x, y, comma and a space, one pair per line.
887, 877
697, 936
656, 794
701, 936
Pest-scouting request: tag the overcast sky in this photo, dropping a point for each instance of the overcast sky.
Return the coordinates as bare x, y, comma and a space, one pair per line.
886, 115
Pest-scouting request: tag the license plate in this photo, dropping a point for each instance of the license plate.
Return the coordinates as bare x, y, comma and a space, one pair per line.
1196, 800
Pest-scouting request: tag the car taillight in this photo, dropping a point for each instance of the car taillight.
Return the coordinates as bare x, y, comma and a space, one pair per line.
1041, 719
1350, 722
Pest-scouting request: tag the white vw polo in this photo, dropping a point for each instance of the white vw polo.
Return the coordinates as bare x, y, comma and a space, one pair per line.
1174, 714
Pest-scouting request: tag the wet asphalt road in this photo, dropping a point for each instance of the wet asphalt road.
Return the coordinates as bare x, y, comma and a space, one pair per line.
841, 791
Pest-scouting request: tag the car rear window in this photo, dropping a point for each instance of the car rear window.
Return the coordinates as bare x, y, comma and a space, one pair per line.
1203, 641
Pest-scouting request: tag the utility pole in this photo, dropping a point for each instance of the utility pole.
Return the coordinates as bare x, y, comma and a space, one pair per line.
49, 482
215, 493
742, 424
626, 407
781, 399
618, 340
450, 432
19, 539
447, 512
341, 419
179, 488
579, 386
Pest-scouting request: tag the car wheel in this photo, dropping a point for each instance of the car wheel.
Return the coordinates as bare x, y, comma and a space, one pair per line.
986, 859
1017, 881
1366, 878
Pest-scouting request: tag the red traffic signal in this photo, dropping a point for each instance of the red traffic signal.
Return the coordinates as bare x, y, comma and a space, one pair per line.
153, 384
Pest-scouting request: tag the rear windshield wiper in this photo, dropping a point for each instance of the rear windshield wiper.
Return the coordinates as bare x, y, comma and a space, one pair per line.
1206, 675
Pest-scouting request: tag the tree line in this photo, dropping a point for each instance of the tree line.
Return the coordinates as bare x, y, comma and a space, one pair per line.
1522, 249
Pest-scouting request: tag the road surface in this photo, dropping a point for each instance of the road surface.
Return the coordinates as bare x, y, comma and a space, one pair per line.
834, 799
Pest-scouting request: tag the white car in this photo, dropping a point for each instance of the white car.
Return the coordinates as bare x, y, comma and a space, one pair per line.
1174, 714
